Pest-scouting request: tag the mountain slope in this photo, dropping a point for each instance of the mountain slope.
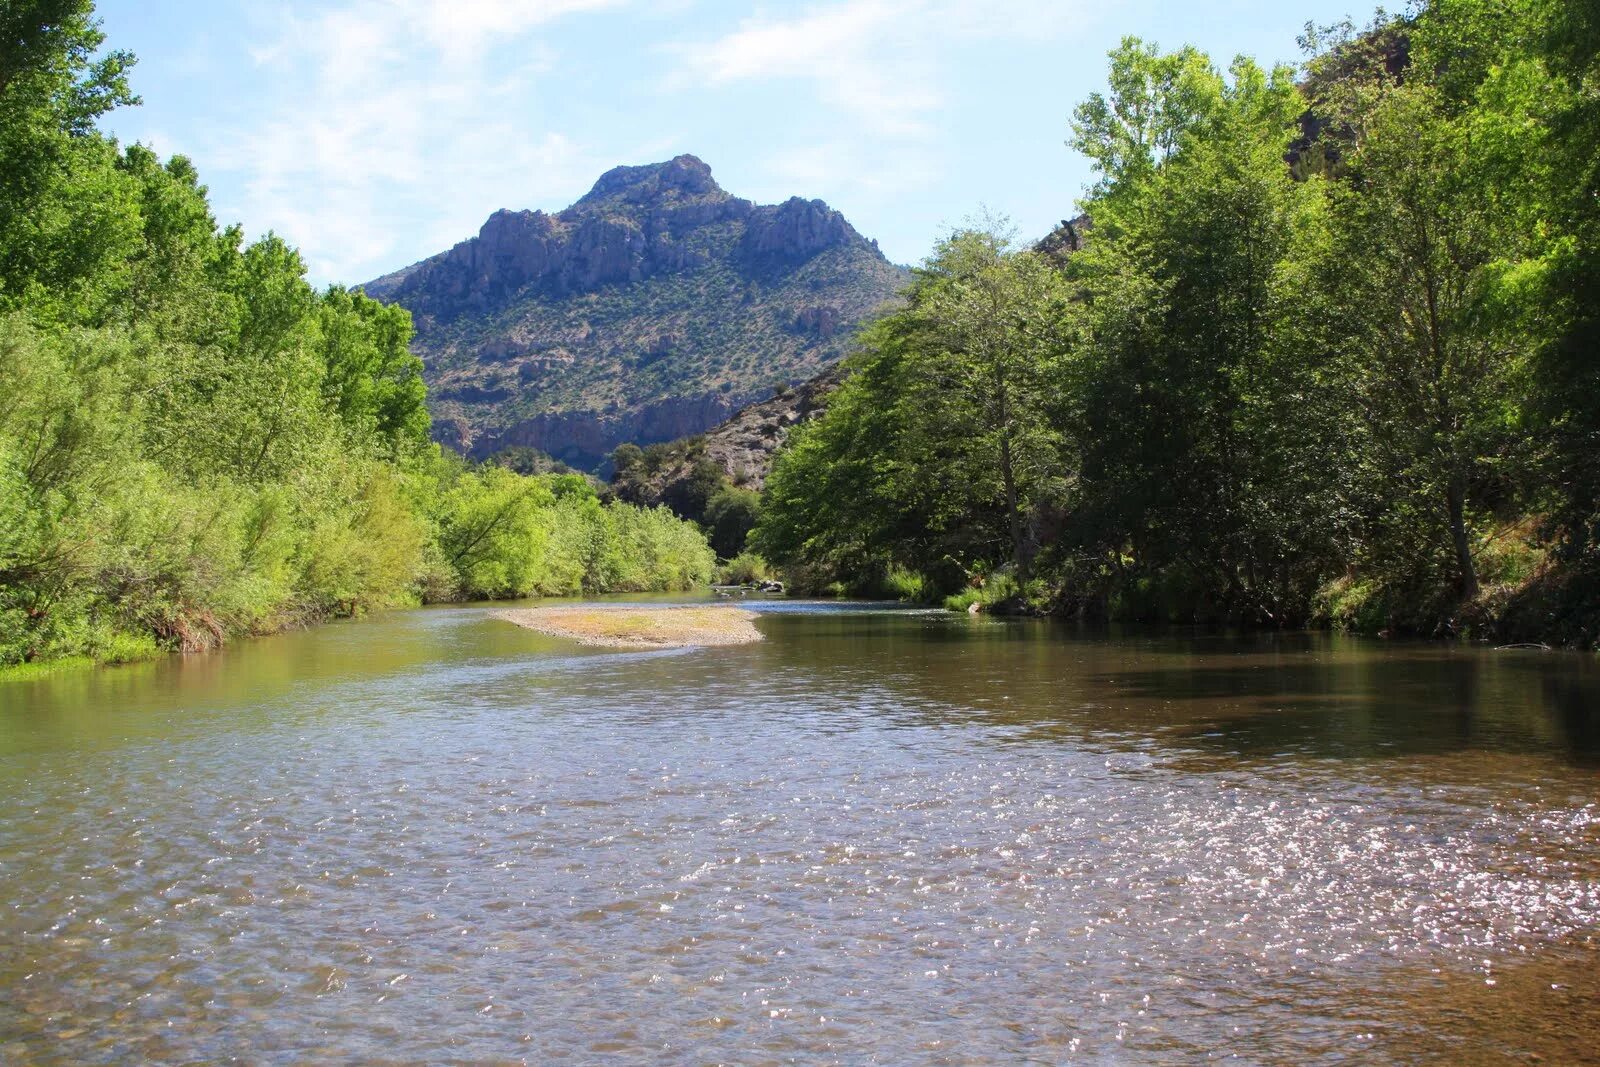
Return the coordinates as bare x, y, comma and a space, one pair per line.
740, 450
653, 308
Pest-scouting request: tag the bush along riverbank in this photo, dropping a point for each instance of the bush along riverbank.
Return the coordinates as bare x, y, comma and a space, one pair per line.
196, 444
1320, 351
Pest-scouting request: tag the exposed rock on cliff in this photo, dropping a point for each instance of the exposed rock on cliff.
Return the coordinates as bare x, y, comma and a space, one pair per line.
794, 231
1066, 239
653, 308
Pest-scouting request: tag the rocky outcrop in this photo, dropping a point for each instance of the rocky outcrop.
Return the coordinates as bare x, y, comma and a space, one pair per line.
1066, 239
632, 225
518, 251
822, 321
649, 309
795, 229
684, 175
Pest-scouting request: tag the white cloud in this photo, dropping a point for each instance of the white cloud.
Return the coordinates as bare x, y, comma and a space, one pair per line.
848, 51
461, 29
383, 110
878, 61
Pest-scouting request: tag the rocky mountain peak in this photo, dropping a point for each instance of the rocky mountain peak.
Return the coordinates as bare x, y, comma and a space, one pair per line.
652, 308
637, 222
682, 177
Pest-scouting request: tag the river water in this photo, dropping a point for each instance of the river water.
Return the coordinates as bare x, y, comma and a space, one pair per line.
876, 837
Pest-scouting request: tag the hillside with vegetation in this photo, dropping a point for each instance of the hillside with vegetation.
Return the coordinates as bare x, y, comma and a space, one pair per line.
651, 309
715, 478
196, 444
1327, 354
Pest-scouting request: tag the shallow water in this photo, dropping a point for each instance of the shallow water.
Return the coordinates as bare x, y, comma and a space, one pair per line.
878, 836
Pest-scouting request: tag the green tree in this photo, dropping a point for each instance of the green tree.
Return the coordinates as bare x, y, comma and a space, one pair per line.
942, 451
1568, 372
64, 431
66, 222
1433, 316
370, 376
492, 532
996, 322
1155, 97
1207, 427
731, 514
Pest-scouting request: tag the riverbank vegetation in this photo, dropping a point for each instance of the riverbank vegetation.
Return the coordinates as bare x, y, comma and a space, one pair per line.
195, 443
1324, 348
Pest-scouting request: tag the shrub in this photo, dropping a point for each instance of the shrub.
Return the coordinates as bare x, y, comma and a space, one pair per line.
905, 584
747, 568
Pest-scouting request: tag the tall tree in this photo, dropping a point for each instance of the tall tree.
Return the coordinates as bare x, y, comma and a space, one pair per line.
1203, 352
1568, 368
65, 218
1155, 97
1426, 267
944, 451
996, 320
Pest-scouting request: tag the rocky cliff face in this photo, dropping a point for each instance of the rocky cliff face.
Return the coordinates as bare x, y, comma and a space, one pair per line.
652, 308
629, 227
744, 445
794, 230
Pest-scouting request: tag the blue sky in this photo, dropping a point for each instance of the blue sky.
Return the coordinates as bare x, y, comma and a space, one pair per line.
372, 133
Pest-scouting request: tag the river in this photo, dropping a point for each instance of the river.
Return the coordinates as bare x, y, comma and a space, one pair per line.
879, 836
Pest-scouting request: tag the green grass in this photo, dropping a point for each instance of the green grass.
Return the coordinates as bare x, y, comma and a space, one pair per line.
27, 672
906, 585
108, 650
1000, 587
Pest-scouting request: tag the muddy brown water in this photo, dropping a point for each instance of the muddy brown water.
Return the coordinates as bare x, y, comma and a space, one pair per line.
876, 837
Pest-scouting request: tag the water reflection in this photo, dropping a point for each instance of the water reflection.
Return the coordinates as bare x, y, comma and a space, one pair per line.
876, 835
1255, 695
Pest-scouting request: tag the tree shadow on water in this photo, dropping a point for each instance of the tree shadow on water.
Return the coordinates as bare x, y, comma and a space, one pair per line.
1378, 706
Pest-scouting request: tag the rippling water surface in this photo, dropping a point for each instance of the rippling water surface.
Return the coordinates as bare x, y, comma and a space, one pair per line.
878, 836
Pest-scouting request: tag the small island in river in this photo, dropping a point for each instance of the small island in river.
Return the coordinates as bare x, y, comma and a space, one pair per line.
640, 627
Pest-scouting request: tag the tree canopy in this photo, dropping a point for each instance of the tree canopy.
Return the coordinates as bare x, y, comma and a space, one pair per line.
1328, 352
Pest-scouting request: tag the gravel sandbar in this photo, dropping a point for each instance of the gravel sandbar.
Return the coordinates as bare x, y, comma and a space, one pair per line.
633, 627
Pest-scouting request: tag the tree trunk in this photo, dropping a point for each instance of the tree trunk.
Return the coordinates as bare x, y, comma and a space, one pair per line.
1466, 574
1018, 546
1019, 553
